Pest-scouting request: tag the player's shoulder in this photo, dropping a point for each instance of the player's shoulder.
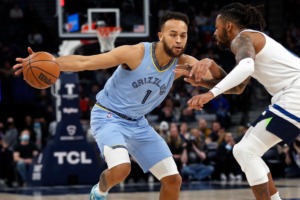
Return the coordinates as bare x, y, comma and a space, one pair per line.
258, 39
133, 49
184, 58
129, 51
252, 34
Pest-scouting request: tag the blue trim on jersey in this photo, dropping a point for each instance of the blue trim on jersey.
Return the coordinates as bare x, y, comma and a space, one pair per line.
286, 113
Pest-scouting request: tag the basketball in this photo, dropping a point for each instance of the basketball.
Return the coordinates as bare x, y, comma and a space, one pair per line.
40, 70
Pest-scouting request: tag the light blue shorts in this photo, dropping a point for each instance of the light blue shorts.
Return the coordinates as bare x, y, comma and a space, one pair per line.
143, 143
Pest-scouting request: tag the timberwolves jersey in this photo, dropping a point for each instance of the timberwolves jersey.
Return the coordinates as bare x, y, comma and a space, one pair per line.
275, 67
137, 92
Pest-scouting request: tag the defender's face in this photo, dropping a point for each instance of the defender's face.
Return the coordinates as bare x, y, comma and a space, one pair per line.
174, 37
221, 34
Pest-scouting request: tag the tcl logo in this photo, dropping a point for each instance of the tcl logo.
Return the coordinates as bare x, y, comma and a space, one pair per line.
72, 157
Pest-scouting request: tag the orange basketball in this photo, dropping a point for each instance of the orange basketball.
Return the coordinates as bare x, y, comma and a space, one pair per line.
40, 70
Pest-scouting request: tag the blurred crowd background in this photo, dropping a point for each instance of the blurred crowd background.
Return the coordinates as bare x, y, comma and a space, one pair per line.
201, 141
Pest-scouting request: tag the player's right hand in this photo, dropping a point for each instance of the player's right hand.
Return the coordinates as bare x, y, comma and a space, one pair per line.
200, 68
19, 66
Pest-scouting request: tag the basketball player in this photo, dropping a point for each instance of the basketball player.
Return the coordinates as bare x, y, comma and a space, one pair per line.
258, 56
139, 84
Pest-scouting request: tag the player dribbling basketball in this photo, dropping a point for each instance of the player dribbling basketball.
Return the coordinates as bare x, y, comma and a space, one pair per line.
140, 83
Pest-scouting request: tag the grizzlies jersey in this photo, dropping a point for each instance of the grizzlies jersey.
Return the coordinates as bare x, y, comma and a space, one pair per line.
137, 92
275, 67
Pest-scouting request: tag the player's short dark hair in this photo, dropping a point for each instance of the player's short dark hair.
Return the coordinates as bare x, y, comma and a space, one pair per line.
245, 16
173, 15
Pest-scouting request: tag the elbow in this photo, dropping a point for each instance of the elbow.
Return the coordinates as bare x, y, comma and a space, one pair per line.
249, 65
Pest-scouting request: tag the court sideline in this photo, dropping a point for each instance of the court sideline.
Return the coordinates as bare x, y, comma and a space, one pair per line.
289, 189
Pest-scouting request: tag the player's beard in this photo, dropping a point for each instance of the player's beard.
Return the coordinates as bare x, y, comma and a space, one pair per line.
223, 40
170, 52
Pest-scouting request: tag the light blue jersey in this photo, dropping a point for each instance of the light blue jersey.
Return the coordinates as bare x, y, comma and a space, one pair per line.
137, 92
133, 93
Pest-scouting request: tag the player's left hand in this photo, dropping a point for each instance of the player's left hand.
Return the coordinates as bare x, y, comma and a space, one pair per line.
182, 70
19, 66
197, 102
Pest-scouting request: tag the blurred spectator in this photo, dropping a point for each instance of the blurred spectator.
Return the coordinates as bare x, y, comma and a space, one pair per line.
184, 131
214, 135
220, 106
164, 130
11, 133
6, 80
28, 124
84, 106
275, 162
43, 100
101, 76
241, 130
175, 143
6, 70
292, 159
226, 163
16, 12
194, 157
23, 155
6, 164
38, 133
52, 128
35, 38
244, 102
167, 111
94, 90
187, 115
202, 125
2, 130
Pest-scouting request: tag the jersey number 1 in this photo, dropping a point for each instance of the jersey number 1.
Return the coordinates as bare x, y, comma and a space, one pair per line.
146, 96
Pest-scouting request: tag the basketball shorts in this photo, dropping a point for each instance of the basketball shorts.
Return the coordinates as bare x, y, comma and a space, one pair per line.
143, 143
284, 114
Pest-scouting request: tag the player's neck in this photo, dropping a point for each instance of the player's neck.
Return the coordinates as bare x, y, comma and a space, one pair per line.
161, 56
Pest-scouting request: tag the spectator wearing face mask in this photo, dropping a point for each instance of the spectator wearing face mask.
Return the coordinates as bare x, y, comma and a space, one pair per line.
23, 155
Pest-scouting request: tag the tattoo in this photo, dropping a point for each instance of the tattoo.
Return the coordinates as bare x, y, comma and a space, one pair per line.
103, 183
212, 82
222, 73
242, 47
239, 88
188, 67
209, 84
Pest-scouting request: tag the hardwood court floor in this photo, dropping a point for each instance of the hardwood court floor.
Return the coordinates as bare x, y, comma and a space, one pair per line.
289, 189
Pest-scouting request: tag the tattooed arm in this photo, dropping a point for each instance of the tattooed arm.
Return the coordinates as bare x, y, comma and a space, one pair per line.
235, 90
236, 80
242, 47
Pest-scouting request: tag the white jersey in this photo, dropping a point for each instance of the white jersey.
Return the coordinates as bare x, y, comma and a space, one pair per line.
275, 67
278, 70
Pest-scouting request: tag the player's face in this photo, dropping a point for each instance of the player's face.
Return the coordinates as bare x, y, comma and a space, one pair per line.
221, 34
174, 37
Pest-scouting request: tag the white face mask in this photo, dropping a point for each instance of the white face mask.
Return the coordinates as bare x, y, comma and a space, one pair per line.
24, 137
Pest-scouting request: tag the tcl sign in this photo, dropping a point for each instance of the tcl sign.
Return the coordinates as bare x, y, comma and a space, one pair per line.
72, 157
